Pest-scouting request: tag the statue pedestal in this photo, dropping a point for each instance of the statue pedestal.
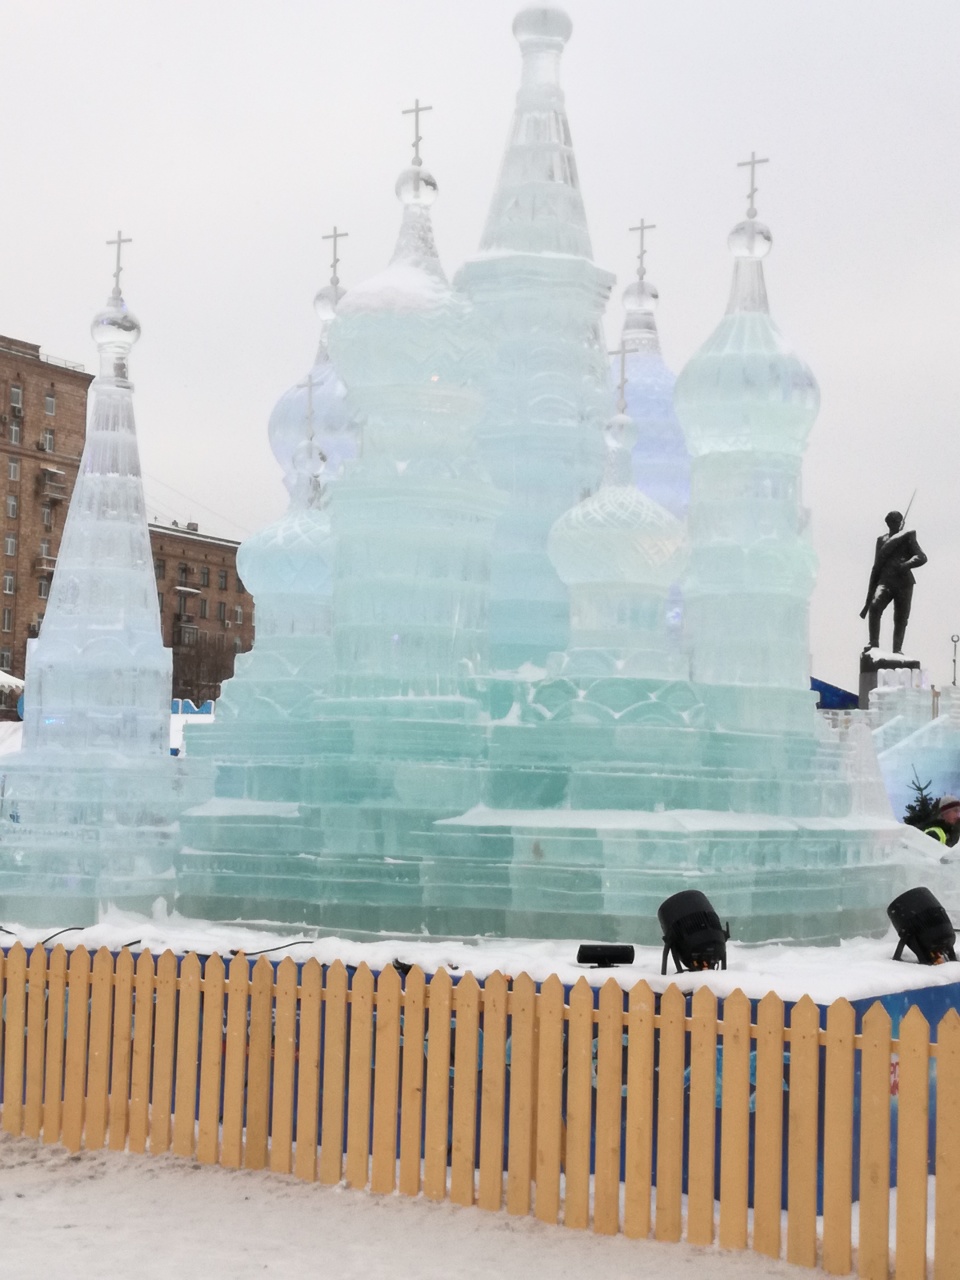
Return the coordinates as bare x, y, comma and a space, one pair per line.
873, 661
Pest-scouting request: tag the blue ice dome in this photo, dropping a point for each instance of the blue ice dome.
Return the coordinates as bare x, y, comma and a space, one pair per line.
310, 430
661, 462
746, 389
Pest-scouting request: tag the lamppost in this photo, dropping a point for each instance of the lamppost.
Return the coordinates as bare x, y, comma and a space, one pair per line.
956, 641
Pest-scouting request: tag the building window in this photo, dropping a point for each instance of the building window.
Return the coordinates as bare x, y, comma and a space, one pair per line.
44, 548
6, 659
46, 515
161, 568
9, 583
182, 573
7, 623
43, 588
3, 698
222, 579
204, 577
13, 469
237, 645
222, 612
10, 544
12, 506
13, 432
47, 439
238, 615
16, 397
50, 403
240, 587
160, 600
203, 607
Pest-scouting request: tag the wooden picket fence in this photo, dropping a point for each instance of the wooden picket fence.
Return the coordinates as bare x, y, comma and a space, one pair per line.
597, 1112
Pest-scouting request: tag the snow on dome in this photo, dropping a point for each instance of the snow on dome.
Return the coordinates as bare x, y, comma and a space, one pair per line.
401, 286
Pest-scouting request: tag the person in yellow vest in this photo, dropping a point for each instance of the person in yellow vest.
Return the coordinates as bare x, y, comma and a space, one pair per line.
946, 829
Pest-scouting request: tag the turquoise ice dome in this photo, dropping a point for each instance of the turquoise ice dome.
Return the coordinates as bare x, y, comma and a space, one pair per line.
746, 388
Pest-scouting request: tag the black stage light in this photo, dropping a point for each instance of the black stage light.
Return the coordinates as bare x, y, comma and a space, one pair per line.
692, 932
604, 955
923, 926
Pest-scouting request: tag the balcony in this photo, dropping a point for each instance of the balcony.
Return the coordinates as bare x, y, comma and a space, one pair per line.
44, 565
52, 484
184, 619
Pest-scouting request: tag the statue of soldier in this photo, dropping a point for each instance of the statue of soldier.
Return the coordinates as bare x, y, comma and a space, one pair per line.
898, 553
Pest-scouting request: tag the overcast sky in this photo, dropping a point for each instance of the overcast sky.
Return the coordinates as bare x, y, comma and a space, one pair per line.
227, 137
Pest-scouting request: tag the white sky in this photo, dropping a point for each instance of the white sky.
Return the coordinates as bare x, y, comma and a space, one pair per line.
227, 137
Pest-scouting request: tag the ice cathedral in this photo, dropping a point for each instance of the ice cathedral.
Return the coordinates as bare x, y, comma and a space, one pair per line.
531, 652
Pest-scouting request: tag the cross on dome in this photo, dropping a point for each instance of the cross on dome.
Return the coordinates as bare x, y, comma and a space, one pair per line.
643, 228
416, 111
752, 162
335, 235
119, 242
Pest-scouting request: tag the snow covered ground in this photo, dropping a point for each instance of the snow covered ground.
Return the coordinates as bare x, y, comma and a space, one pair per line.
857, 969
102, 1213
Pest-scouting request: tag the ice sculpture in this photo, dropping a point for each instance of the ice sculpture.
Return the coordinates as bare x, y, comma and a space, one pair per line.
433, 789
661, 463
540, 296
90, 803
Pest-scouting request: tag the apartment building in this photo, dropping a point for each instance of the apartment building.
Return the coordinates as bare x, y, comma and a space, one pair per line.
205, 612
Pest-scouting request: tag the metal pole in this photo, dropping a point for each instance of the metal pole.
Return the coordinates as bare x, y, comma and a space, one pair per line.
956, 641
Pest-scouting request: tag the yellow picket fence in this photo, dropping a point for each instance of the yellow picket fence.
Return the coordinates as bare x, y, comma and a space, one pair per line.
598, 1113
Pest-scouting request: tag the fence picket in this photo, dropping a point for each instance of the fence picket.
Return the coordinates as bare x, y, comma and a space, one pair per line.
211, 1062
120, 1053
258, 1065
411, 1095
386, 1080
768, 1128
334, 1079
523, 1008
493, 1092
638, 1170
284, 1068
36, 1015
946, 1218
357, 1166
670, 1114
466, 1054
165, 1014
609, 1112
56, 1043
3, 961
549, 1109
75, 1071
703, 1118
838, 1139
580, 1043
437, 1118
188, 1057
735, 1122
308, 1074
15, 1040
873, 1251
98, 1062
913, 1107
235, 1062
802, 1137
139, 1111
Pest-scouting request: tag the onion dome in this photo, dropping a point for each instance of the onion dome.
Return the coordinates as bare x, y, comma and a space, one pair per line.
618, 534
746, 389
310, 430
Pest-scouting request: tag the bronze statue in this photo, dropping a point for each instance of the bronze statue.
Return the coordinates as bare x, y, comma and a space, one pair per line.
898, 553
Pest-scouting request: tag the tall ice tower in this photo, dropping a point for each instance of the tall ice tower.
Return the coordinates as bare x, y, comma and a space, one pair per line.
540, 297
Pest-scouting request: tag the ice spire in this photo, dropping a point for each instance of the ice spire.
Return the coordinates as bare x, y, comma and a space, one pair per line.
661, 464
537, 205
98, 677
310, 431
747, 402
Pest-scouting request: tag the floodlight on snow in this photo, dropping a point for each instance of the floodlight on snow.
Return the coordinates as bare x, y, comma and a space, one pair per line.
922, 925
604, 955
692, 932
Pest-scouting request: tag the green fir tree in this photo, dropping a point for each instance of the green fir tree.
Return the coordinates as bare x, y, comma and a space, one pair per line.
924, 810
